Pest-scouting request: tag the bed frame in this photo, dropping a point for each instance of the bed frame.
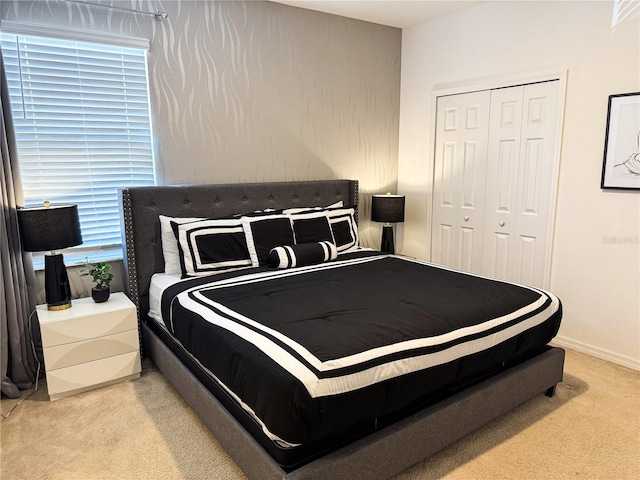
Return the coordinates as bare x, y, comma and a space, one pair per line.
377, 456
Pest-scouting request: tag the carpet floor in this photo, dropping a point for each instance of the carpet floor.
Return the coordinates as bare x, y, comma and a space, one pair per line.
142, 429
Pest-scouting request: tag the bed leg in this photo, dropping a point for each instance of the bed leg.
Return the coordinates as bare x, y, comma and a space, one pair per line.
551, 391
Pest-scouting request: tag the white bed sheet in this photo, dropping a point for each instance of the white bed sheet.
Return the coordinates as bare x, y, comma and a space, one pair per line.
159, 282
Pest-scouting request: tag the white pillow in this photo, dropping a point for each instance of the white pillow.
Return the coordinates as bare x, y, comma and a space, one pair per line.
170, 244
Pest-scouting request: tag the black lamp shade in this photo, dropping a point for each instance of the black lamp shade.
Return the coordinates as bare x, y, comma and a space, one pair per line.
49, 228
387, 208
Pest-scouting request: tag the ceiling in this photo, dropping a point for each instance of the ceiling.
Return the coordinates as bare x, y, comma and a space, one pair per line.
395, 13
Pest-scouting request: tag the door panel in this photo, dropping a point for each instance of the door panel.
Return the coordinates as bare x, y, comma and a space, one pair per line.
521, 164
535, 182
447, 190
525, 271
444, 238
506, 159
470, 165
466, 249
459, 180
499, 267
532, 169
502, 181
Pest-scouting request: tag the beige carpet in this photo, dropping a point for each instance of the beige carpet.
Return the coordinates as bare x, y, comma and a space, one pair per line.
143, 430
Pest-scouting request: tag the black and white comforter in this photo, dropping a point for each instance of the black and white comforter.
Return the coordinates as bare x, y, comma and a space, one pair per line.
322, 351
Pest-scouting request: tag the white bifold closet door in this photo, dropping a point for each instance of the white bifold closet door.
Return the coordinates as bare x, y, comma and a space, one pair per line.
494, 181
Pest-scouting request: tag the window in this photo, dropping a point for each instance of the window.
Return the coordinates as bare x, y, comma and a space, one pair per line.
83, 129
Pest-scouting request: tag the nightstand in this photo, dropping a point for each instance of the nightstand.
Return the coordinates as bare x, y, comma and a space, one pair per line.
89, 345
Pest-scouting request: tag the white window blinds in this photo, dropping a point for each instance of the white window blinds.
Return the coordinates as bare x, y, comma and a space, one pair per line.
83, 129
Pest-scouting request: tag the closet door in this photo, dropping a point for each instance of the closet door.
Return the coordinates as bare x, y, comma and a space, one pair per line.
459, 180
520, 183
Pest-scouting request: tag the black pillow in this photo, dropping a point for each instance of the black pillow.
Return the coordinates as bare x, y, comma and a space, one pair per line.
312, 229
343, 232
302, 254
264, 233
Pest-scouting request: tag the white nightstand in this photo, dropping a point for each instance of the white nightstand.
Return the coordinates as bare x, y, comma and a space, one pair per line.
89, 345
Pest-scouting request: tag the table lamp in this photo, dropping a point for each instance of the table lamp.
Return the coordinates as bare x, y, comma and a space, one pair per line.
389, 209
51, 227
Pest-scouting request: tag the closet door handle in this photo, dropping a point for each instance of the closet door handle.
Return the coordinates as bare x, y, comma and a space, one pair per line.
466, 219
501, 223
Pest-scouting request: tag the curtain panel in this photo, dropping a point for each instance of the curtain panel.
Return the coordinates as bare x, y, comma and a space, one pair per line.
17, 355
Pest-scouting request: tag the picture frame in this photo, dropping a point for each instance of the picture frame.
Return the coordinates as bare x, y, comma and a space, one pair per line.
621, 163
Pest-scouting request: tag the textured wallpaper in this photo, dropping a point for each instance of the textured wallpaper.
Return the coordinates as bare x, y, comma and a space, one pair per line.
258, 91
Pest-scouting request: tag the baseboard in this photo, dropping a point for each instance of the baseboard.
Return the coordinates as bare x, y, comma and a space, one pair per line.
597, 352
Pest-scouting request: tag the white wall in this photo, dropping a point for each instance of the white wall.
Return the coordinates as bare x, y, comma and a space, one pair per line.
596, 251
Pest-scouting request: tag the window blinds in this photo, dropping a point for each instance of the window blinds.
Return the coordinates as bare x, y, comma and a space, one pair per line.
82, 124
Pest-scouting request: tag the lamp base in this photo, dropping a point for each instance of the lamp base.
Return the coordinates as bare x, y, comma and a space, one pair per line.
56, 283
387, 245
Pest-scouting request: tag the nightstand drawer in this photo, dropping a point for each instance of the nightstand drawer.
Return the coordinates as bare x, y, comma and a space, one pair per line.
86, 320
61, 356
92, 373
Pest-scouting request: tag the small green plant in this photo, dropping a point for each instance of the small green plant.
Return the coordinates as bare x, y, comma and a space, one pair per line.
99, 271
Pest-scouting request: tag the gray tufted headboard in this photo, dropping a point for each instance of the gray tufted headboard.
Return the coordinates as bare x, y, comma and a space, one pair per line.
140, 207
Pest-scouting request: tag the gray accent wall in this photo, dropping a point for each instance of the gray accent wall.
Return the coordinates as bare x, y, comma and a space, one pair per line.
259, 91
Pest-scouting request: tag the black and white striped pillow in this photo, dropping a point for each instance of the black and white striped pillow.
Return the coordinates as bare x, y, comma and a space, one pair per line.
301, 255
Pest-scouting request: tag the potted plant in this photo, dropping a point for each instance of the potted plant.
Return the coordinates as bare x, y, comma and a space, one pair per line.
101, 274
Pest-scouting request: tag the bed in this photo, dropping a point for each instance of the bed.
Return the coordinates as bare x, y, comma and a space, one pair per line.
374, 392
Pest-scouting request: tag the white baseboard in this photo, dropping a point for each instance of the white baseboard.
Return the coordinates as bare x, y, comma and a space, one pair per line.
597, 352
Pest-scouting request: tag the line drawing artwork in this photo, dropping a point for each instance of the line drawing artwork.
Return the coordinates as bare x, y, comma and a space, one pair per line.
631, 165
621, 163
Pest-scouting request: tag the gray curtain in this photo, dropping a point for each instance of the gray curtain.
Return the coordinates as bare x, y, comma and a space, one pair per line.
17, 358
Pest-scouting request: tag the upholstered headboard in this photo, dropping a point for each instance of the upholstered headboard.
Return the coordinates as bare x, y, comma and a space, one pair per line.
140, 207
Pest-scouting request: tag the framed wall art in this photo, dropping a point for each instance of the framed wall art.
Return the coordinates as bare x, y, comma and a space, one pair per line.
621, 165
